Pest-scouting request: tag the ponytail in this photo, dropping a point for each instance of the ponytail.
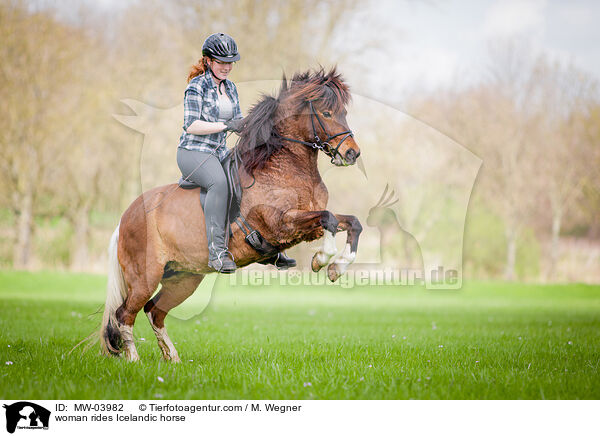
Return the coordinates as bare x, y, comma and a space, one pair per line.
200, 68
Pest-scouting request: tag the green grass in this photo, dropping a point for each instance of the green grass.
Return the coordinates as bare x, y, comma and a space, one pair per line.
486, 341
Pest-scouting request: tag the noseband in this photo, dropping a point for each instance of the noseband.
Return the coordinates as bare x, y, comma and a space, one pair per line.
320, 144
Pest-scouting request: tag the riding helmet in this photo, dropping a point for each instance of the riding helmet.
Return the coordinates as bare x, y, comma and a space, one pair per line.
221, 47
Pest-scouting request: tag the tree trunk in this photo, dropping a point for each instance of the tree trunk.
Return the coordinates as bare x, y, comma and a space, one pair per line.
511, 254
556, 224
24, 231
80, 253
594, 230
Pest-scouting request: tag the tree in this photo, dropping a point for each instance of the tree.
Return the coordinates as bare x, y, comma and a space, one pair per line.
36, 60
562, 97
492, 119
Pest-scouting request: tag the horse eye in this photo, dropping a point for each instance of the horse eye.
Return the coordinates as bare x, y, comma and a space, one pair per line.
327, 114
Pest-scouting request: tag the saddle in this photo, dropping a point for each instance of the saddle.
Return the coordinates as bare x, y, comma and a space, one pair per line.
231, 164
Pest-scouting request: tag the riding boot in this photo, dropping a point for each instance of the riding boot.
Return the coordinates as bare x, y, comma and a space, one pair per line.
280, 260
219, 258
222, 263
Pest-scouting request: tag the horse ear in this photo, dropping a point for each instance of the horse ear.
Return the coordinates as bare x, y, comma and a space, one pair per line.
284, 84
266, 129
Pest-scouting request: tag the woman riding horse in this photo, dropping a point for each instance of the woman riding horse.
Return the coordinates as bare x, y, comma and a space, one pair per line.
284, 198
212, 108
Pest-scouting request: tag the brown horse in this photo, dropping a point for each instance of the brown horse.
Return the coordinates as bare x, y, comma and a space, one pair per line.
161, 237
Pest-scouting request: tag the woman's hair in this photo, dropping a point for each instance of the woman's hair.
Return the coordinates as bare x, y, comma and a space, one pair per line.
199, 68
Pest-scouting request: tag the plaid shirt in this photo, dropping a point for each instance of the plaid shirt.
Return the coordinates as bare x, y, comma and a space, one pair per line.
201, 102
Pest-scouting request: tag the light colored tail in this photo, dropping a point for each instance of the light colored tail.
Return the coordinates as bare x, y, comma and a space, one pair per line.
116, 293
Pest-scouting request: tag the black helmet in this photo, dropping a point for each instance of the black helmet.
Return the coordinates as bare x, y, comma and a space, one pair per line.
221, 47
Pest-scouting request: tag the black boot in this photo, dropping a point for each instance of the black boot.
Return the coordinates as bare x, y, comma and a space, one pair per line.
222, 263
280, 260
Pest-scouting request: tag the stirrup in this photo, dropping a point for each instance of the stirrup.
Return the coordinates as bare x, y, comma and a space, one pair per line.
225, 265
280, 260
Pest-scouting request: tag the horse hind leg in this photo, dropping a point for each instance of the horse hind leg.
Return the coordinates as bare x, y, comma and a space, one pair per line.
174, 291
140, 289
128, 343
127, 291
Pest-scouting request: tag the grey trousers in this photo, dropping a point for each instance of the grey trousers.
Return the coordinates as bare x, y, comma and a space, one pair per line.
204, 169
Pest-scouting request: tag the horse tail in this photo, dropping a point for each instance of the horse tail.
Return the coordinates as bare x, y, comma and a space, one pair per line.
116, 293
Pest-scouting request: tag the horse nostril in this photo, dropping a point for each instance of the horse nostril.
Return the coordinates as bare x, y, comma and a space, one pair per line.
350, 155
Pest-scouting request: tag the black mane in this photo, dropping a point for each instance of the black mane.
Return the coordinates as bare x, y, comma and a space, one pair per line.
259, 140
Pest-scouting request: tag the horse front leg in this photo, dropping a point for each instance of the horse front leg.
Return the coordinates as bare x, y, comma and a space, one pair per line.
311, 225
326, 252
351, 225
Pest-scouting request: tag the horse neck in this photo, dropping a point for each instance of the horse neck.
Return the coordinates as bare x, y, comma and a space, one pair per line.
299, 157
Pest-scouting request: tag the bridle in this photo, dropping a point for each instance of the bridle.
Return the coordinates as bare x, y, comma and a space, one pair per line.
320, 144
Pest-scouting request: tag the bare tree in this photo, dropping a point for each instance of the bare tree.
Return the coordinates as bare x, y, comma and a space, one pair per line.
36, 58
492, 119
561, 99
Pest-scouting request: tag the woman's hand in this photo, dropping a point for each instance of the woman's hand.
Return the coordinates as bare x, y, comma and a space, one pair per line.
236, 126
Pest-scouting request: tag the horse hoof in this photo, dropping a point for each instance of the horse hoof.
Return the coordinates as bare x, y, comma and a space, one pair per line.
332, 272
132, 357
172, 359
315, 264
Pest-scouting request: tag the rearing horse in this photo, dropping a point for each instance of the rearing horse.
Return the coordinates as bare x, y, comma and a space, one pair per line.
161, 237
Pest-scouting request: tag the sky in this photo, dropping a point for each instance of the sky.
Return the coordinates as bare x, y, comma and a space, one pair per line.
436, 41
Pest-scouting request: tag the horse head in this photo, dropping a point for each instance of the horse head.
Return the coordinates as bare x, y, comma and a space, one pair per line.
317, 101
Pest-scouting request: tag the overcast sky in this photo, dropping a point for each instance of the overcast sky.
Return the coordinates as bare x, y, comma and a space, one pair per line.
435, 42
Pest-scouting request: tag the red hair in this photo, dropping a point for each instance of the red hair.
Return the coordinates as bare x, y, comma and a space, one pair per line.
199, 68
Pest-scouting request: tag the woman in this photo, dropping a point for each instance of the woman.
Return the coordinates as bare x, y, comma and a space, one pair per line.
212, 108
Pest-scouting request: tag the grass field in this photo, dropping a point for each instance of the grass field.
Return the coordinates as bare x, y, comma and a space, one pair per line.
486, 341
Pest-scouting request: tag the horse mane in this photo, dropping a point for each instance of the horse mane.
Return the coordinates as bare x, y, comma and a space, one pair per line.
260, 140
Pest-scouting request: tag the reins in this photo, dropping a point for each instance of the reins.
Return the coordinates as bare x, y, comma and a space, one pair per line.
318, 143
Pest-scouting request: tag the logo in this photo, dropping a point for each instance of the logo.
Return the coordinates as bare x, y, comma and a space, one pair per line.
26, 415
